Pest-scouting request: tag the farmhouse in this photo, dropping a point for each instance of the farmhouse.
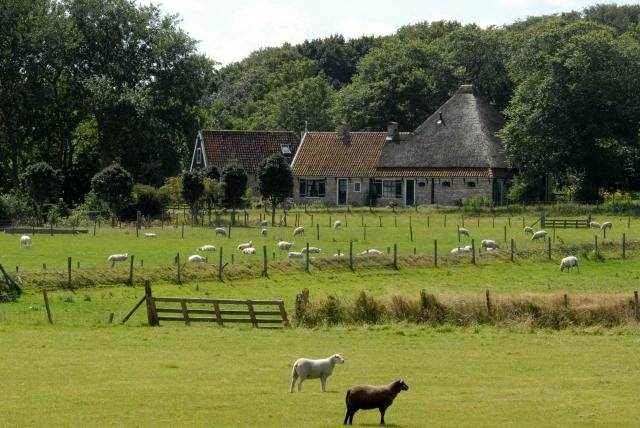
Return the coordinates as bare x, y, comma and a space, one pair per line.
452, 156
249, 148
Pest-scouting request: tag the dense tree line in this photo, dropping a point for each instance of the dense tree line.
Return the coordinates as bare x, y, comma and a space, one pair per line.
85, 83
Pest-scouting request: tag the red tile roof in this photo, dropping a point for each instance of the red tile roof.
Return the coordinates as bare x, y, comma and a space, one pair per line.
248, 147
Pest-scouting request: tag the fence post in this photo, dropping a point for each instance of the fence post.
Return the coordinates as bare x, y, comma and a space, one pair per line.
511, 249
635, 303
458, 233
428, 221
46, 304
329, 220
628, 222
380, 221
395, 256
264, 253
509, 221
351, 255
131, 270
445, 220
566, 301
505, 233
365, 232
69, 270
318, 231
311, 219
229, 233
493, 222
410, 230
554, 233
137, 223
595, 243
152, 315
549, 247
489, 308
182, 230
435, 253
220, 265
362, 220
473, 251
307, 254
624, 244
178, 259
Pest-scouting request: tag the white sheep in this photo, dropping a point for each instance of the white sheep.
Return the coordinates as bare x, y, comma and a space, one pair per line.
568, 263
150, 234
245, 245
312, 250
539, 234
338, 255
221, 231
606, 225
298, 231
372, 251
284, 245
460, 250
197, 259
337, 224
463, 231
488, 243
528, 230
26, 241
594, 225
263, 223
249, 250
295, 255
304, 368
264, 232
117, 258
207, 247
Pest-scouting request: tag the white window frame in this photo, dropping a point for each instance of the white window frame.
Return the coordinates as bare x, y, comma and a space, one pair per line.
198, 156
357, 187
389, 188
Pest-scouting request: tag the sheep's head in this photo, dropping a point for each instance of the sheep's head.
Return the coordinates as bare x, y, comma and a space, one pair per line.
399, 385
337, 358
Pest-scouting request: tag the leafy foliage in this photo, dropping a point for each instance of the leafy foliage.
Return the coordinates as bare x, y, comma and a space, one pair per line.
275, 181
235, 180
41, 182
113, 185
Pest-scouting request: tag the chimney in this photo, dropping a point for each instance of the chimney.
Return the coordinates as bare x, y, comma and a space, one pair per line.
393, 134
342, 131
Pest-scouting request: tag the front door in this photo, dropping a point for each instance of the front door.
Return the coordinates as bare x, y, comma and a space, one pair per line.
410, 193
342, 191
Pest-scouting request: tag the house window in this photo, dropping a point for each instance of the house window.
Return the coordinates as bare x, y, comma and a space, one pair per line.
471, 184
356, 186
198, 156
446, 184
312, 188
389, 189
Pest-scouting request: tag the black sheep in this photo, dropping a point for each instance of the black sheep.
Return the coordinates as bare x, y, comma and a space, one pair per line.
372, 397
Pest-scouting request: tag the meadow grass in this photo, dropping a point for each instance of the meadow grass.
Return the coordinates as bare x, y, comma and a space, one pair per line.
237, 377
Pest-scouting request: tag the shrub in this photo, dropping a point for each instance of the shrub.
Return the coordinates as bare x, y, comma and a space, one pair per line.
367, 310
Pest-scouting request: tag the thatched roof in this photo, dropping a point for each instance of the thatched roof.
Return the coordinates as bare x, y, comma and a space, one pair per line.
461, 134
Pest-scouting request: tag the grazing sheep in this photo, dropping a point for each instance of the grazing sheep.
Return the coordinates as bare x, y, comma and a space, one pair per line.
284, 245
263, 223
606, 225
26, 241
463, 231
207, 248
245, 245
295, 255
150, 235
197, 259
264, 232
372, 397
312, 250
568, 263
337, 224
491, 249
460, 250
372, 251
304, 368
221, 231
539, 234
594, 225
298, 231
249, 250
117, 258
528, 230
338, 255
488, 243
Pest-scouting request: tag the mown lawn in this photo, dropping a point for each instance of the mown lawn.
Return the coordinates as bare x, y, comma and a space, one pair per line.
235, 377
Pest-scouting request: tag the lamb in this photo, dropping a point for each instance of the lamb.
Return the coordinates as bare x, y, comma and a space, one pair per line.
304, 368
207, 247
295, 255
528, 230
463, 231
264, 232
197, 259
221, 231
606, 225
117, 258
372, 397
298, 231
249, 250
460, 250
150, 235
539, 234
337, 224
372, 251
263, 223
26, 241
245, 245
568, 263
488, 243
284, 245
312, 250
594, 225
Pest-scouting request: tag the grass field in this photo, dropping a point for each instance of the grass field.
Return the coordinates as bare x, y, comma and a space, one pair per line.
234, 377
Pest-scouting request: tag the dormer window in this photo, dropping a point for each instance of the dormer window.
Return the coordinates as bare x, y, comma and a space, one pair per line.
286, 149
198, 156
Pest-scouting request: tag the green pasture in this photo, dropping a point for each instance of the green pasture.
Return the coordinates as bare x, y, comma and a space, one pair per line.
240, 377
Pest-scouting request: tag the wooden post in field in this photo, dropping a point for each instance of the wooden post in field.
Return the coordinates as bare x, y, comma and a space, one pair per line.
365, 232
46, 304
152, 314
628, 222
220, 265
178, 261
307, 258
473, 251
493, 222
635, 304
69, 270
95, 223
435, 253
346, 222
183, 229
229, 232
137, 223
505, 234
380, 221
330, 224
110, 320
458, 233
478, 221
624, 245
351, 255
414, 251
131, 270
566, 301
410, 229
554, 233
489, 308
523, 222
266, 259
388, 250
595, 244
126, 317
232, 259
395, 256
509, 221
445, 220
511, 249
311, 219
395, 221
318, 231
361, 220
428, 221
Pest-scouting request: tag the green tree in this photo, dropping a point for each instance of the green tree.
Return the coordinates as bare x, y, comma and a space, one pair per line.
113, 185
275, 181
42, 183
192, 189
235, 180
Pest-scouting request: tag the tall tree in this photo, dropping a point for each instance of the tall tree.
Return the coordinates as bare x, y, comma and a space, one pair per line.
275, 181
42, 183
114, 186
192, 188
235, 180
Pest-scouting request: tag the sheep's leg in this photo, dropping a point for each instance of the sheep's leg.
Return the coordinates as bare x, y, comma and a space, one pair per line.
323, 379
346, 418
293, 382
382, 410
300, 384
353, 412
